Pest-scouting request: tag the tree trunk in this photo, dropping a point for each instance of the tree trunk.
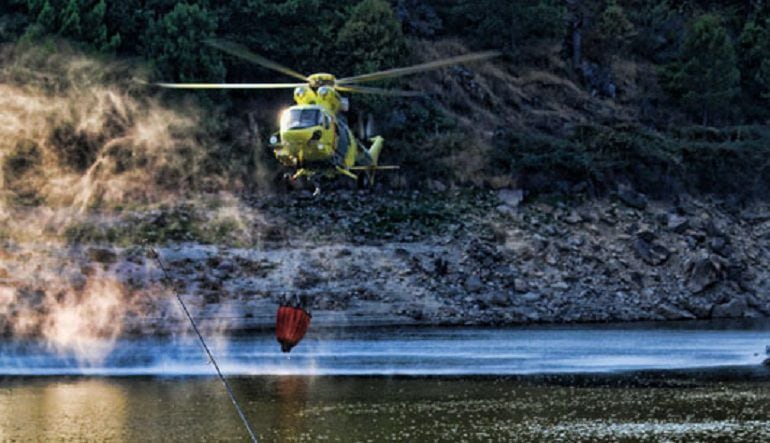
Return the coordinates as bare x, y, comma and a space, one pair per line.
575, 24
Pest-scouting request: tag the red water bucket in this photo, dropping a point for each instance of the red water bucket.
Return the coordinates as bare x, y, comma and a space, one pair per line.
291, 324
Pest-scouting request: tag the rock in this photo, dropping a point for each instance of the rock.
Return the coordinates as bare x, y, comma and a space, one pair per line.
437, 186
719, 245
530, 297
573, 218
344, 252
646, 235
529, 314
712, 229
677, 223
307, 279
755, 217
759, 305
511, 197
501, 181
473, 283
101, 255
673, 313
505, 210
651, 253
735, 308
698, 306
520, 285
576, 241
704, 272
441, 266
632, 198
497, 299
561, 286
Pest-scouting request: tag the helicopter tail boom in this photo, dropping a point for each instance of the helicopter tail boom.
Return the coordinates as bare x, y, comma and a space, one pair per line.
375, 149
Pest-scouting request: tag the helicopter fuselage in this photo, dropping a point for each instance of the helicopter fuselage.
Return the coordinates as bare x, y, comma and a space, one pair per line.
314, 136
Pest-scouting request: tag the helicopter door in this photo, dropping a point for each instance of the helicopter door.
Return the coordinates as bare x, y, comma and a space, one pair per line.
343, 142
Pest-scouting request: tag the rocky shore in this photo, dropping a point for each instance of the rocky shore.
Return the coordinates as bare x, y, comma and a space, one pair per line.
445, 258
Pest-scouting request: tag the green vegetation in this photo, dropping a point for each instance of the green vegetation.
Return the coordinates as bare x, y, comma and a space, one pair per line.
180, 223
706, 79
589, 92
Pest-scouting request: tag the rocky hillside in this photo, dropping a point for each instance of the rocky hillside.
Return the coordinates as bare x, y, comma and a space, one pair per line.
450, 258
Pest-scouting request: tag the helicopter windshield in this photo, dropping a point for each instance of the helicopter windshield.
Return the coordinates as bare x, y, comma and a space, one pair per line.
300, 118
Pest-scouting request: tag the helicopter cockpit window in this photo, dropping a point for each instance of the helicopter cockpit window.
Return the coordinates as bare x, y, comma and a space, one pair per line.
301, 118
326, 122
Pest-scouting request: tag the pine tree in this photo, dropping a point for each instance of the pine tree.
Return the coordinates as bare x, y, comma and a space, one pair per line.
96, 32
707, 71
174, 43
372, 38
754, 59
614, 31
46, 19
70, 20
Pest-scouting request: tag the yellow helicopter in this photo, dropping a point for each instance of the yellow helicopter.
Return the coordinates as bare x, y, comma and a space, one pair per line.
314, 137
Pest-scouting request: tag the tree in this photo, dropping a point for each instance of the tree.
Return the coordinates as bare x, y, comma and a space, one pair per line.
79, 20
754, 59
371, 38
13, 19
300, 34
706, 74
94, 28
70, 20
173, 43
613, 33
507, 26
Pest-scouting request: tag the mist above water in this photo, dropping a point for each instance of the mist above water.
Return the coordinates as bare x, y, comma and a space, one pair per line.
415, 352
80, 138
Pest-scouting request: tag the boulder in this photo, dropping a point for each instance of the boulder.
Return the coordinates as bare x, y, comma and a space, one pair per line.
573, 218
698, 306
497, 299
646, 235
102, 255
704, 272
511, 197
437, 186
650, 252
307, 279
473, 283
632, 198
670, 312
677, 223
734, 308
720, 246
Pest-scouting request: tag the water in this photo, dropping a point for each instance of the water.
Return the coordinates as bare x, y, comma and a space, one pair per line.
523, 384
418, 352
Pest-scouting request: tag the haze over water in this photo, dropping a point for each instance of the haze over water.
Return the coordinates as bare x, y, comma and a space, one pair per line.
142, 391
532, 350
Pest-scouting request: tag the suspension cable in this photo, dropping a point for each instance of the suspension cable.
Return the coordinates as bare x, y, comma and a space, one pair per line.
154, 254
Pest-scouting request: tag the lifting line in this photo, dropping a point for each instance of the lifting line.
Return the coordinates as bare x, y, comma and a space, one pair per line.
154, 254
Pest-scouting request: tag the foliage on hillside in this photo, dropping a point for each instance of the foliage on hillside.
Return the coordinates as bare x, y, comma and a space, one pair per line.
588, 94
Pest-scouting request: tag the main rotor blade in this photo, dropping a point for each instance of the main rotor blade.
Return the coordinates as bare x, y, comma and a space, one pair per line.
230, 85
241, 51
378, 91
397, 72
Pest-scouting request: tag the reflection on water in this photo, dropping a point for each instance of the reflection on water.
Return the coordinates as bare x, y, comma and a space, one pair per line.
291, 408
63, 410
